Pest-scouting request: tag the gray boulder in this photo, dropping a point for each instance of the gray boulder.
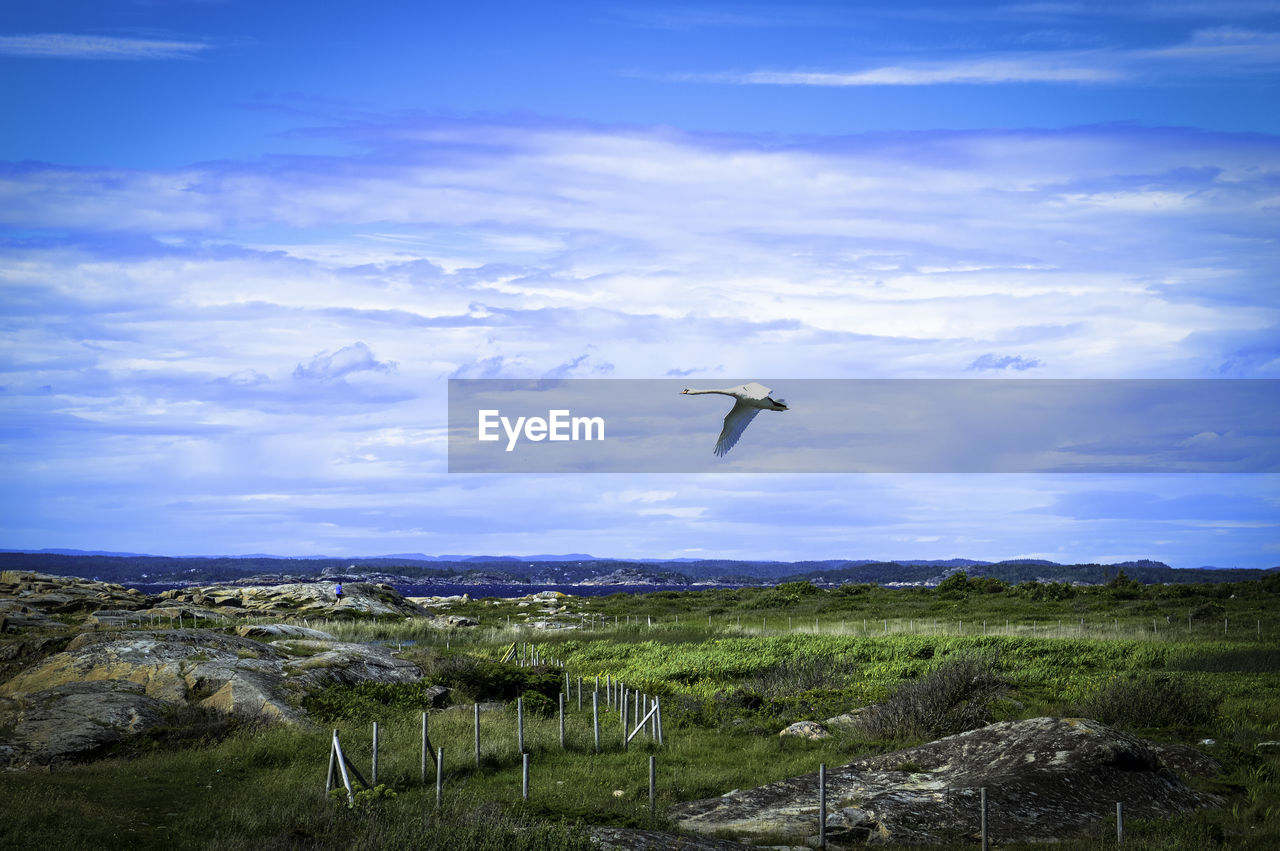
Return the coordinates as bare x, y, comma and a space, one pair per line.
131, 673
74, 720
1046, 779
811, 730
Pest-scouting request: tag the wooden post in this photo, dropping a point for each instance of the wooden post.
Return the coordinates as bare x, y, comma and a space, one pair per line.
561, 720
520, 724
822, 805
653, 784
1119, 823
524, 776
579, 694
595, 717
424, 748
623, 715
985, 844
657, 708
375, 753
477, 713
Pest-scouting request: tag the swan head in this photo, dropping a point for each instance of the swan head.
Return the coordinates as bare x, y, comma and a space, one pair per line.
684, 392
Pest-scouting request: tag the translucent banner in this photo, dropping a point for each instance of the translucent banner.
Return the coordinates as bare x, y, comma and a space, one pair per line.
864, 426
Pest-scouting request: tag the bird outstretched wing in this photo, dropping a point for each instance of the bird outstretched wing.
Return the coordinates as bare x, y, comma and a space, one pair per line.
735, 423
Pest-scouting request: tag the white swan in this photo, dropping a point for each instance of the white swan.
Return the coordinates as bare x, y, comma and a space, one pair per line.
751, 399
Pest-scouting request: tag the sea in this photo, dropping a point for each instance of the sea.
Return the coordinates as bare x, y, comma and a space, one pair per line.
444, 589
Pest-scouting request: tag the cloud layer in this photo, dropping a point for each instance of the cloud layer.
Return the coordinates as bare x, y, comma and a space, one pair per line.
255, 352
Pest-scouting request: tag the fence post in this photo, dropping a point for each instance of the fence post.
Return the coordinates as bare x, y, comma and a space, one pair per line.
595, 717
561, 720
333, 756
657, 709
1119, 823
985, 846
424, 748
520, 724
477, 713
439, 775
822, 805
375, 753
524, 776
579, 694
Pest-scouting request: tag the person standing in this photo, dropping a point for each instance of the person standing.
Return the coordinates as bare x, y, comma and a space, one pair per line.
337, 592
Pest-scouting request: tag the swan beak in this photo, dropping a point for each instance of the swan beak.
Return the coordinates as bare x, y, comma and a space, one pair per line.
684, 392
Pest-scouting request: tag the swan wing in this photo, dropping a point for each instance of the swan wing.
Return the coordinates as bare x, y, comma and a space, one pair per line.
755, 390
735, 423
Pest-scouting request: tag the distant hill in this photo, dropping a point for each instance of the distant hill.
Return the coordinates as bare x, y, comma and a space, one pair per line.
132, 569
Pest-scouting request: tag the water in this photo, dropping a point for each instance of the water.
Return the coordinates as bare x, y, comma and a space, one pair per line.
448, 589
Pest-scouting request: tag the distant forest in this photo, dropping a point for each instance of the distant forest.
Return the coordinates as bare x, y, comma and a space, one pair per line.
139, 569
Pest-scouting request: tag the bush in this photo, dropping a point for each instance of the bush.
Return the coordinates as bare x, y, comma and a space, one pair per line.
1151, 700
485, 679
956, 696
1210, 611
802, 672
366, 700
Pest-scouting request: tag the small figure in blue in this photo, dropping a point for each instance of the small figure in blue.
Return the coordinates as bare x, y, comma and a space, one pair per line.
337, 592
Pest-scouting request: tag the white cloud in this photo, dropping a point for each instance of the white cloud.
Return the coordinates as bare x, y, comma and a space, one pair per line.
977, 71
154, 329
79, 46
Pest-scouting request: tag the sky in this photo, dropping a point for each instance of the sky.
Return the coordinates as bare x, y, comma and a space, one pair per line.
244, 247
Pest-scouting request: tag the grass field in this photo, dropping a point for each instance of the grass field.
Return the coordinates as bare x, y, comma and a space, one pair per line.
731, 667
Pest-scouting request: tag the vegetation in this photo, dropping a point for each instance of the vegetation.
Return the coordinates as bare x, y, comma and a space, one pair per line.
1174, 663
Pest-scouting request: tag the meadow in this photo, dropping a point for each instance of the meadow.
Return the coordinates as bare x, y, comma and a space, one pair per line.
731, 667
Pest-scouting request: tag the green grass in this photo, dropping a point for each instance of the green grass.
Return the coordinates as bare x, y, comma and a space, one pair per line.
727, 687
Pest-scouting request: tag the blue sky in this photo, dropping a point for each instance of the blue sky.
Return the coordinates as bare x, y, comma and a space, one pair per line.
243, 246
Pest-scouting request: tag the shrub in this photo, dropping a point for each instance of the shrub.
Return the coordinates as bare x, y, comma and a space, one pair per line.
802, 672
956, 696
1151, 700
366, 700
486, 679
1208, 611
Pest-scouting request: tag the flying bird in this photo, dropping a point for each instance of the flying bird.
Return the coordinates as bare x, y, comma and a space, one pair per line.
751, 399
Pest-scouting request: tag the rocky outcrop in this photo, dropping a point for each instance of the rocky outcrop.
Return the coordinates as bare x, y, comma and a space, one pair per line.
1046, 779
49, 706
25, 595
74, 720
298, 599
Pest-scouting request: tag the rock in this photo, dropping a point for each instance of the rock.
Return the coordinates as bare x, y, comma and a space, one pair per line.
1186, 761
282, 630
1268, 747
310, 599
53, 595
74, 720
1047, 779
15, 615
806, 730
438, 697
227, 673
632, 839
113, 618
